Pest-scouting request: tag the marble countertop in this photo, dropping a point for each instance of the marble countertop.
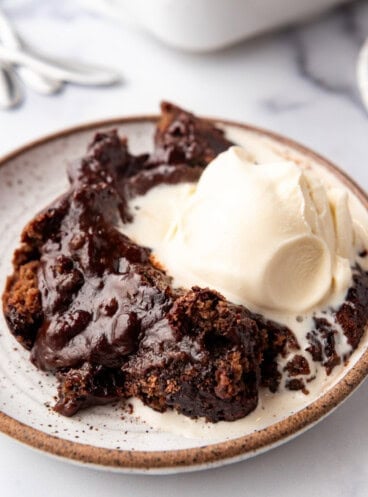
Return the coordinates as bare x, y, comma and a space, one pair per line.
299, 82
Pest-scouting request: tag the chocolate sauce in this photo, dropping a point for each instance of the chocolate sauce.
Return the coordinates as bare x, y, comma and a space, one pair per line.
93, 307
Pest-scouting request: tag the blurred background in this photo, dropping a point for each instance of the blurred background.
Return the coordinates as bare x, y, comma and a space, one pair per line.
299, 80
286, 65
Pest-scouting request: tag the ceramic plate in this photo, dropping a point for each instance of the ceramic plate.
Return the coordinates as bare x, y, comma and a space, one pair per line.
107, 437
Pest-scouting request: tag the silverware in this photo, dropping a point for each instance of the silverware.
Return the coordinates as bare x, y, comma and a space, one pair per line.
38, 82
42, 73
81, 74
10, 91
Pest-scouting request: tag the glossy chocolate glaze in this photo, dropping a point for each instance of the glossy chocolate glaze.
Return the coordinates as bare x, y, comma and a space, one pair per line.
105, 312
92, 306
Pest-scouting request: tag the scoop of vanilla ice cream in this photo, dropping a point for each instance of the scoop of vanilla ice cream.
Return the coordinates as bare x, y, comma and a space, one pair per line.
265, 234
269, 236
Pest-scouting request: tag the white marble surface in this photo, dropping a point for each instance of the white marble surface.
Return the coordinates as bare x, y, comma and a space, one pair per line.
300, 82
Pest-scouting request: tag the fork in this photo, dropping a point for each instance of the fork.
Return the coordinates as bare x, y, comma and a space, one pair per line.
10, 91
43, 74
36, 81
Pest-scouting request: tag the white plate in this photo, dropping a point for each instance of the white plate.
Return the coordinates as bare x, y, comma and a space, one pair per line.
29, 179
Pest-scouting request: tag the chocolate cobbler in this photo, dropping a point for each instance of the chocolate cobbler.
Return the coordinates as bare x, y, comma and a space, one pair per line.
98, 311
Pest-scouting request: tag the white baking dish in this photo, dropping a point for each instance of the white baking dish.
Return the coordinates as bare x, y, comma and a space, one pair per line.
204, 25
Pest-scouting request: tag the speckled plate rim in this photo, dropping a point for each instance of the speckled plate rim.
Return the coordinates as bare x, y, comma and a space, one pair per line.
171, 461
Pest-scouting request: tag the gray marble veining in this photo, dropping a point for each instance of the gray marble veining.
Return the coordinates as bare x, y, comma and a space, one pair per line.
326, 52
299, 82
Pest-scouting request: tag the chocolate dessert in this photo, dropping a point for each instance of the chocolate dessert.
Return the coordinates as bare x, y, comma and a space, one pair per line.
97, 310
